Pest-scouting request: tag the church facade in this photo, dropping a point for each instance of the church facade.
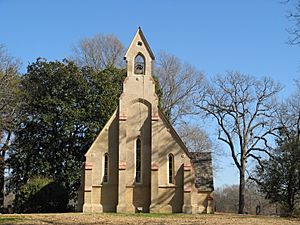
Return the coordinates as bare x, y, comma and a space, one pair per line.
138, 163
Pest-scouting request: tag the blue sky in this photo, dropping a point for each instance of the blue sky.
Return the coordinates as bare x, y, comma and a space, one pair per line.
215, 36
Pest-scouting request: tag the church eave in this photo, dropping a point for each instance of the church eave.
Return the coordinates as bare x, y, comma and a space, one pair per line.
173, 131
103, 129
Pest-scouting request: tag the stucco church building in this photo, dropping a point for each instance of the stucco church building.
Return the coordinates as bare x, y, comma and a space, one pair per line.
138, 163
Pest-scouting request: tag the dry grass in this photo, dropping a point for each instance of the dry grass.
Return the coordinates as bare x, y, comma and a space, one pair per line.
143, 219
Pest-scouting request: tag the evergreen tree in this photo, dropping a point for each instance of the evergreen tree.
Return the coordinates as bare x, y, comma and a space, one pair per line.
64, 109
279, 177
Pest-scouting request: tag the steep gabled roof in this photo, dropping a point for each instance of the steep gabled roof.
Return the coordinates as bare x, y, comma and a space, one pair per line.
140, 34
108, 123
174, 133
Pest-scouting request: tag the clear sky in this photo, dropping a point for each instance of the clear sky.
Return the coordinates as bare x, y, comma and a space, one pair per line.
213, 35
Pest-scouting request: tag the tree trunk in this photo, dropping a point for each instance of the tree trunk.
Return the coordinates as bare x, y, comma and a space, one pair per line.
242, 189
2, 167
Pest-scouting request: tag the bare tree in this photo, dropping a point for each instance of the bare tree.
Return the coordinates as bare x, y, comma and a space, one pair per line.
294, 30
226, 200
244, 109
289, 116
99, 52
179, 83
195, 138
8, 107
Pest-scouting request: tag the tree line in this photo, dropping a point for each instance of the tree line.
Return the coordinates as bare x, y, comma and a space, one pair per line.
51, 114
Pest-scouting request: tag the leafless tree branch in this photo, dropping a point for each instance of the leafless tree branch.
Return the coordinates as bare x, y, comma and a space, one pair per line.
244, 109
99, 52
179, 83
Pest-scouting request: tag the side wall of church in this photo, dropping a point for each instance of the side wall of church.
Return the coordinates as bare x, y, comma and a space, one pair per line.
170, 195
101, 196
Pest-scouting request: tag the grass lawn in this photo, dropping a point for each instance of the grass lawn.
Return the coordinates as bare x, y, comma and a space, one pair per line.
143, 219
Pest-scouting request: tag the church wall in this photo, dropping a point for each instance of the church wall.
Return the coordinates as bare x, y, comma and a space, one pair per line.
199, 201
170, 194
102, 196
109, 190
138, 126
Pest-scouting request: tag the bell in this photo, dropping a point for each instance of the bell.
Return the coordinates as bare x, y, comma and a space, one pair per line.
139, 68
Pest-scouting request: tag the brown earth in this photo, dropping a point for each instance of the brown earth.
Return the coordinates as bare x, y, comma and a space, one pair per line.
143, 219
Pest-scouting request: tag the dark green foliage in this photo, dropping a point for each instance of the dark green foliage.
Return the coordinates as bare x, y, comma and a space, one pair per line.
65, 107
41, 195
279, 177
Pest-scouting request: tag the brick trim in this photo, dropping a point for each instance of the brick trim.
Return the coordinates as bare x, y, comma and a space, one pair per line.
122, 117
122, 165
155, 117
88, 165
154, 166
187, 189
187, 167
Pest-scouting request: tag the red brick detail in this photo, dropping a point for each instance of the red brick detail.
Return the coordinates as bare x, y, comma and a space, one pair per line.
154, 166
155, 117
187, 167
87, 188
122, 117
187, 189
122, 165
88, 165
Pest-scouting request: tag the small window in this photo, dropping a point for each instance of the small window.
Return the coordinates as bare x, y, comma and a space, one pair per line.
138, 161
105, 172
171, 169
139, 64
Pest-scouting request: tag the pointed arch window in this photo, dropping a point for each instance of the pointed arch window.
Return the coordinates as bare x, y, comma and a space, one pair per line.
105, 169
139, 64
171, 168
138, 161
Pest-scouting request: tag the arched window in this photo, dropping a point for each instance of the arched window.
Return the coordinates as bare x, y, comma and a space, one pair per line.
138, 161
139, 64
105, 169
171, 168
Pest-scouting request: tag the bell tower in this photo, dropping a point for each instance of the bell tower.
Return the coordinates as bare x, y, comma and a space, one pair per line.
139, 84
139, 56
138, 113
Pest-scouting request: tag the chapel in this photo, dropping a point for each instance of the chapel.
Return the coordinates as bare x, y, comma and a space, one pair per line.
138, 163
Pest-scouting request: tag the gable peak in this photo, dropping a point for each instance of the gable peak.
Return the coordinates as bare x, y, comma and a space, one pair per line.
139, 40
